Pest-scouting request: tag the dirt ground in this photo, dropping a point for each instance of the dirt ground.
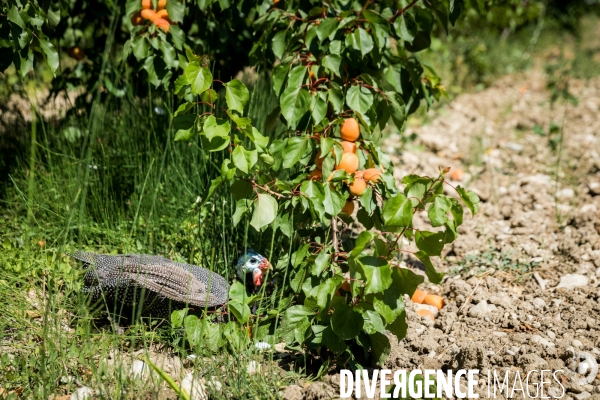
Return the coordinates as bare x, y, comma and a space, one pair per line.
522, 285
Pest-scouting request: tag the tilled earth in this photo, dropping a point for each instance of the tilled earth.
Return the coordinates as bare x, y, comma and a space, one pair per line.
522, 285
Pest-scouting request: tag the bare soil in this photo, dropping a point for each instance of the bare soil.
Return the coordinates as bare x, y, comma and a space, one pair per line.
509, 304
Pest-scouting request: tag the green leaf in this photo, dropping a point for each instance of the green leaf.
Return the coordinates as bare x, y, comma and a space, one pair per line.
296, 76
381, 347
326, 291
177, 317
318, 108
294, 103
50, 54
406, 280
321, 262
363, 239
360, 40
199, 78
456, 7
432, 274
184, 107
237, 95
359, 99
470, 199
332, 341
212, 129
399, 327
432, 243
377, 273
240, 311
326, 28
209, 96
373, 322
214, 185
14, 17
180, 83
336, 97
398, 211
244, 159
346, 322
237, 292
265, 211
241, 207
334, 201
421, 42
279, 43
280, 73
176, 10
332, 62
389, 303
217, 143
295, 150
298, 318
406, 27
438, 211
242, 122
241, 189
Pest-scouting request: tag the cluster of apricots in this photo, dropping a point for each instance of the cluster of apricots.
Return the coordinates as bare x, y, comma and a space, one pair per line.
160, 17
350, 133
421, 297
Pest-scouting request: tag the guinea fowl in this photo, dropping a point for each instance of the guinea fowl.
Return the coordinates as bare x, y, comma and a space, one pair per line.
159, 285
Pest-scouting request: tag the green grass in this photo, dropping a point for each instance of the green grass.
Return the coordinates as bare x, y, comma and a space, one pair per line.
109, 178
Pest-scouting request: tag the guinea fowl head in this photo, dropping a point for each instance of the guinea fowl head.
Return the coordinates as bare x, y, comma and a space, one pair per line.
254, 263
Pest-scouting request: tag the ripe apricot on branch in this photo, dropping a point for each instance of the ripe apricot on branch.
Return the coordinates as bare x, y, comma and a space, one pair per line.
146, 4
348, 208
162, 14
372, 174
149, 14
316, 174
346, 286
419, 296
349, 147
161, 4
357, 187
349, 162
137, 19
350, 130
162, 24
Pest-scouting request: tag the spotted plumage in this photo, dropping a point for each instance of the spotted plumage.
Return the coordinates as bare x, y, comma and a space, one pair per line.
156, 283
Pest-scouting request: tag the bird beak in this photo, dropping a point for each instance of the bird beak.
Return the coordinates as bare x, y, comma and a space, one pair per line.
265, 265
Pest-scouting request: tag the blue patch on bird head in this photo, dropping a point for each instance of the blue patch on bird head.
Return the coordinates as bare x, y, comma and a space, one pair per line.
249, 262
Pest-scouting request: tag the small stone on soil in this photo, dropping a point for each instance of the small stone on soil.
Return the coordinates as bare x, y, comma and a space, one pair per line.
572, 281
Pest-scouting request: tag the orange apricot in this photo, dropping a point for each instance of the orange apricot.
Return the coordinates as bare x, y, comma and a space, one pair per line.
425, 313
346, 286
349, 147
76, 53
149, 14
348, 207
349, 162
315, 174
136, 19
163, 14
350, 130
162, 24
372, 174
357, 187
434, 300
161, 4
359, 174
419, 296
146, 4
457, 174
